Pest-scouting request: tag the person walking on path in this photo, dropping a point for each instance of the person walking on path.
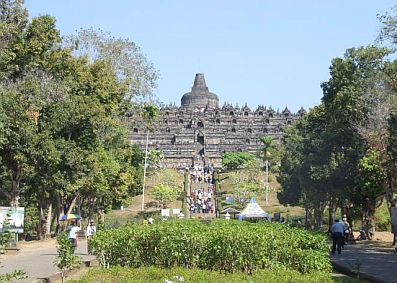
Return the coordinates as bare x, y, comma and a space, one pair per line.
346, 232
91, 231
73, 230
337, 231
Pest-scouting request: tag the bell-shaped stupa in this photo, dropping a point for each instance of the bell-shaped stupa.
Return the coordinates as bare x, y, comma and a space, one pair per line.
199, 97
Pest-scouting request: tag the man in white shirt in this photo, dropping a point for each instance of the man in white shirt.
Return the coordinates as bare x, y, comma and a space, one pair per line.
91, 231
337, 231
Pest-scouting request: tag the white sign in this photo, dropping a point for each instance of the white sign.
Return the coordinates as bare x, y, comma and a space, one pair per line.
394, 219
176, 211
11, 219
165, 212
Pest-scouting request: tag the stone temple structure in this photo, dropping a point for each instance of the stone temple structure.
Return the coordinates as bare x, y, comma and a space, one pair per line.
199, 131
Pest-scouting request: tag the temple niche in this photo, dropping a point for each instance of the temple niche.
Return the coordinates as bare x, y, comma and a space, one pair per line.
199, 131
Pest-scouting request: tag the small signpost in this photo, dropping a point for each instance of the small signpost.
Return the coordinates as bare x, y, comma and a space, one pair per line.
165, 212
12, 220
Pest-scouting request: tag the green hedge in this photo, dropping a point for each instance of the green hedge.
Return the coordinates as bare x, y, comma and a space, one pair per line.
222, 245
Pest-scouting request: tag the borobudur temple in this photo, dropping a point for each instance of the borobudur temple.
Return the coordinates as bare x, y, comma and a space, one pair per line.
199, 131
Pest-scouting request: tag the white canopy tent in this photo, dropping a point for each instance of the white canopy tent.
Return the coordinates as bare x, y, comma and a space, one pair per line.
254, 211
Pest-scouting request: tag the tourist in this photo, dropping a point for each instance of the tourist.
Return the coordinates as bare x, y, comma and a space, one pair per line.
91, 231
368, 229
337, 231
346, 233
73, 229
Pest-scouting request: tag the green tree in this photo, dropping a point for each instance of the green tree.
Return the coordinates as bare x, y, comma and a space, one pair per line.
155, 156
246, 182
236, 160
165, 194
371, 184
169, 177
63, 131
304, 173
131, 65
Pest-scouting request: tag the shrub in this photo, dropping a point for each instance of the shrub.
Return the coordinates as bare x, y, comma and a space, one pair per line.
65, 260
222, 245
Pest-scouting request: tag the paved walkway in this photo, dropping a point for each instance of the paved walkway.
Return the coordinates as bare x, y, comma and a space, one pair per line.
38, 261
370, 262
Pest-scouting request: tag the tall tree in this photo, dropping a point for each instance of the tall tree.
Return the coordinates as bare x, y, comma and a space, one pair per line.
131, 65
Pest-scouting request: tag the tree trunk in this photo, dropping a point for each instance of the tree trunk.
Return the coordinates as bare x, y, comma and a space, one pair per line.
331, 213
48, 221
91, 205
391, 201
72, 204
78, 205
371, 203
318, 215
40, 224
306, 213
16, 179
57, 215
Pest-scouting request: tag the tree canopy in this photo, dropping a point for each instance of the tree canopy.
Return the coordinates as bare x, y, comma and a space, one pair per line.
63, 132
339, 154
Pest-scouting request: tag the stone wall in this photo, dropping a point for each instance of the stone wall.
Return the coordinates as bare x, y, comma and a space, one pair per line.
201, 135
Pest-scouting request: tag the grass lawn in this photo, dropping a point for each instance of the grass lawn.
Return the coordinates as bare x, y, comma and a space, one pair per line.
159, 275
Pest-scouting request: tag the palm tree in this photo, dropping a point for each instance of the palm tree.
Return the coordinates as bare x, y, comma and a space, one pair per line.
149, 115
268, 147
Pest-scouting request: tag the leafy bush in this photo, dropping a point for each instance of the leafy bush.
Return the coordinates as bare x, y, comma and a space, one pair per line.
12, 276
222, 245
65, 260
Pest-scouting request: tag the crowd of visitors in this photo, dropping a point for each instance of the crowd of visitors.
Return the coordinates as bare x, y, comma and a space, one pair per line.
201, 174
202, 200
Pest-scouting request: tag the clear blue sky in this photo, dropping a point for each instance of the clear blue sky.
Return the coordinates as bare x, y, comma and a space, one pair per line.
274, 53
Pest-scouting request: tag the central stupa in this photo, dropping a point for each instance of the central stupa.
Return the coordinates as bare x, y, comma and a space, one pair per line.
199, 97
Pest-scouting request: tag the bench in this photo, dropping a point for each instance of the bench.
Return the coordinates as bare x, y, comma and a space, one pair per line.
11, 250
